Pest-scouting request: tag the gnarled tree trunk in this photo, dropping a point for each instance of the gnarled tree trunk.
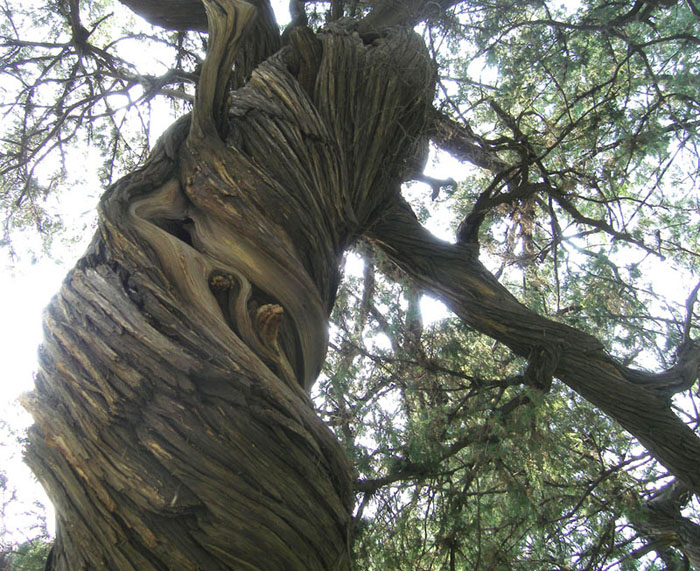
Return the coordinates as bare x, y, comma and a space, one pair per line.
173, 427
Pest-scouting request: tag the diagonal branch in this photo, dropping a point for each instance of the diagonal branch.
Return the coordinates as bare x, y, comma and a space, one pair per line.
661, 522
454, 274
461, 142
390, 13
689, 305
180, 15
184, 15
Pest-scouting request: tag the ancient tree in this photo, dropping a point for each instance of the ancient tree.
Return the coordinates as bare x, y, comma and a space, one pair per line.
174, 427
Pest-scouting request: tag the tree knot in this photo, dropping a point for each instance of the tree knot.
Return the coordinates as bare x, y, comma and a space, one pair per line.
542, 362
220, 282
268, 320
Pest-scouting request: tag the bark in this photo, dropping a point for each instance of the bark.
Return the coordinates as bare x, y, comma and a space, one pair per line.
638, 401
388, 13
661, 523
173, 427
262, 41
181, 15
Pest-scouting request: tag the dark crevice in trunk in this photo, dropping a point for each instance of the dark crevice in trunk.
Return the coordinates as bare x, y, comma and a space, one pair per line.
181, 229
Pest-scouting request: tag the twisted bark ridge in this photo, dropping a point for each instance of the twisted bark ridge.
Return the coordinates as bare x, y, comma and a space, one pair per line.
660, 521
173, 427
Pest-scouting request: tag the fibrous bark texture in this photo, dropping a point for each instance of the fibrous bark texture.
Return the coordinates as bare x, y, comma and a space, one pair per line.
173, 427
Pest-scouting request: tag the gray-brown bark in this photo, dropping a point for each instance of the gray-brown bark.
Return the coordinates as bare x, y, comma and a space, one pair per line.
173, 429
180, 14
661, 522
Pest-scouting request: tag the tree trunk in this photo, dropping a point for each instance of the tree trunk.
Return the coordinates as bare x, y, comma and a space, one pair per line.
173, 427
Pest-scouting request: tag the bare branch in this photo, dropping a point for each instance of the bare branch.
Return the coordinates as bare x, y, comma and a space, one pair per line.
460, 141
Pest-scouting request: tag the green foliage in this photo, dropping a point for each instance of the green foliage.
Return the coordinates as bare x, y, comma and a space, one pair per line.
461, 466
29, 556
595, 110
74, 80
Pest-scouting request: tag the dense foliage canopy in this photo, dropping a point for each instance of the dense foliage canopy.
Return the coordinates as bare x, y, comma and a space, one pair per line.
573, 134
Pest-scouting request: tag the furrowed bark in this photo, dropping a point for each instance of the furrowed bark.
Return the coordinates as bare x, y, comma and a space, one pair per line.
661, 522
454, 274
173, 427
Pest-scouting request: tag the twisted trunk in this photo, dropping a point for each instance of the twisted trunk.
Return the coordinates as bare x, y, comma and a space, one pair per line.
173, 427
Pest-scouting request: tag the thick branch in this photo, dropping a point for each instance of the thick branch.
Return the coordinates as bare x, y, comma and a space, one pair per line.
461, 142
409, 472
390, 13
454, 274
181, 15
184, 15
660, 520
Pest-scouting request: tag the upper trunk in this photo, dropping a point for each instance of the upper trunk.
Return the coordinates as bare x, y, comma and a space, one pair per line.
173, 427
